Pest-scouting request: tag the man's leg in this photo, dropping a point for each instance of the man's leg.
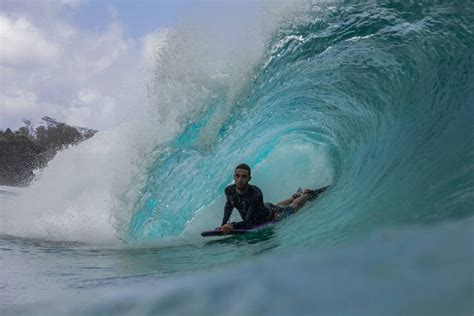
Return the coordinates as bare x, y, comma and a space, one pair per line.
286, 202
292, 198
296, 203
308, 195
300, 201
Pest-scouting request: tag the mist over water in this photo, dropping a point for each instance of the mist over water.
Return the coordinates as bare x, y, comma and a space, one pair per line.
88, 192
373, 98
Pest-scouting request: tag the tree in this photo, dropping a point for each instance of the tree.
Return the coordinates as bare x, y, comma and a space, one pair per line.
24, 131
41, 136
50, 122
29, 126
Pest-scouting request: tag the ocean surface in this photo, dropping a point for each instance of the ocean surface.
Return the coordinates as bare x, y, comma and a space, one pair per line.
375, 98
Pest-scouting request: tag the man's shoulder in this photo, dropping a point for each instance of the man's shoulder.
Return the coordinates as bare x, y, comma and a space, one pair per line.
256, 190
230, 189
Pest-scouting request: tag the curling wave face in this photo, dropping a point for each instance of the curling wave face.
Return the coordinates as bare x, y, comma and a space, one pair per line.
373, 98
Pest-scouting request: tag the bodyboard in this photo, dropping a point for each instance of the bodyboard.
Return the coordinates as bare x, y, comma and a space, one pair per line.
216, 232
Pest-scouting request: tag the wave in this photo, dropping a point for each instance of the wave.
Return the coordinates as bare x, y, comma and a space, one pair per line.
373, 98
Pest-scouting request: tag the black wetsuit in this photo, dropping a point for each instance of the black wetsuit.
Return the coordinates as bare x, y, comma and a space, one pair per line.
250, 206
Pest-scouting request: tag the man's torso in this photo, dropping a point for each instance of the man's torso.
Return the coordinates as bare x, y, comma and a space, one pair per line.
242, 202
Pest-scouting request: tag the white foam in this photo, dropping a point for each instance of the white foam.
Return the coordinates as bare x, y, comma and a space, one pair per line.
74, 197
87, 192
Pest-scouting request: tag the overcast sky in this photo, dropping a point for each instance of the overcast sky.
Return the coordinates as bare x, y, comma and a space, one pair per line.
83, 61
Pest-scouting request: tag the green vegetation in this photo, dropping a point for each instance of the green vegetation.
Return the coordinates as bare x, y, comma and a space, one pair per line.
30, 148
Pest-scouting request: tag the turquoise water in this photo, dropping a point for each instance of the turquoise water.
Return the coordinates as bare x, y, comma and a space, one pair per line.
374, 98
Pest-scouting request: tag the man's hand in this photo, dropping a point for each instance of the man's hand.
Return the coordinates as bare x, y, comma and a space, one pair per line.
227, 228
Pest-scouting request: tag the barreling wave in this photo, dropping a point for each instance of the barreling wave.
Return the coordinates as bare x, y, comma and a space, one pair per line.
373, 98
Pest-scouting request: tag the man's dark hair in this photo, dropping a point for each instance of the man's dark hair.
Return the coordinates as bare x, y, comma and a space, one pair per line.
245, 167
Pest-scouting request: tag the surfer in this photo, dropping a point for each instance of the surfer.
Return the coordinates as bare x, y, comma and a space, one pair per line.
248, 200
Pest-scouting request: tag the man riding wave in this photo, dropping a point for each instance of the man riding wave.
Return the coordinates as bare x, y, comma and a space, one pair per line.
248, 200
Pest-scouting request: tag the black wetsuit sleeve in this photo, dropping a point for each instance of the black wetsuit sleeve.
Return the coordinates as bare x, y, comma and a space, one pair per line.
227, 210
252, 217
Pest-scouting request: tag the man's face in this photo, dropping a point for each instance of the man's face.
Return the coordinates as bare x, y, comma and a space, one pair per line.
241, 178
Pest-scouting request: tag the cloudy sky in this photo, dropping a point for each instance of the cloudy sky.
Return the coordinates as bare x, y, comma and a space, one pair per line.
83, 61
